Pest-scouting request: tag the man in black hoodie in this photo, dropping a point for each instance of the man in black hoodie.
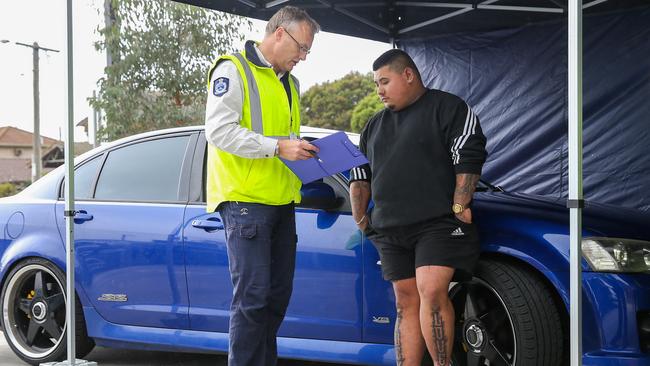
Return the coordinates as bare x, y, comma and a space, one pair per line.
426, 151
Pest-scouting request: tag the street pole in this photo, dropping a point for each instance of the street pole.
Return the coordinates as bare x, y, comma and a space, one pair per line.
36, 144
36, 154
109, 19
95, 122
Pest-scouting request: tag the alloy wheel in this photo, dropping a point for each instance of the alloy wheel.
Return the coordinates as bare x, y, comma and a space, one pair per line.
484, 331
34, 311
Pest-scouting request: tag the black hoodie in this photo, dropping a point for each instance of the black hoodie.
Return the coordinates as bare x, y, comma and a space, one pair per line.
414, 156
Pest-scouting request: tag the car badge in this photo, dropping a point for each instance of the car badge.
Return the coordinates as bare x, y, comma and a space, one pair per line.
381, 319
113, 297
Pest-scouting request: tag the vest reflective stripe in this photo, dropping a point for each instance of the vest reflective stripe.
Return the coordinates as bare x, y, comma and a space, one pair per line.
253, 96
296, 83
265, 111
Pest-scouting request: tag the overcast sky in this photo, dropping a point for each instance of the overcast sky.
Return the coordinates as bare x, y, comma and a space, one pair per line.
44, 21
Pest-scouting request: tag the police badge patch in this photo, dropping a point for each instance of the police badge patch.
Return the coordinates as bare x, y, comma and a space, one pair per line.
220, 86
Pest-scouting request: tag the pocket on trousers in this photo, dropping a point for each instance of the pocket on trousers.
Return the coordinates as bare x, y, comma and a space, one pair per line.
469, 229
459, 221
248, 231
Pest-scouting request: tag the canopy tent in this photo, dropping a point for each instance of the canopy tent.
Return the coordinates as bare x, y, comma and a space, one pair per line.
396, 21
392, 21
418, 26
418, 23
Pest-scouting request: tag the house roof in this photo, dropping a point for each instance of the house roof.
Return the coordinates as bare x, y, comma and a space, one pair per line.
13, 136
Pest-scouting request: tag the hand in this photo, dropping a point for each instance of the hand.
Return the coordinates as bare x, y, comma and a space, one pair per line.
295, 149
465, 216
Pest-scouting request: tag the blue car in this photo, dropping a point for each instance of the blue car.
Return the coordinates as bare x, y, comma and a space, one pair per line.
152, 270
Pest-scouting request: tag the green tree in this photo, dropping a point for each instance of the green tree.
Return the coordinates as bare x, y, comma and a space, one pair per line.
330, 104
366, 108
161, 54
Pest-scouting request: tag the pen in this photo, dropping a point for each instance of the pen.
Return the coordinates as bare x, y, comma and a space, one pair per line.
315, 155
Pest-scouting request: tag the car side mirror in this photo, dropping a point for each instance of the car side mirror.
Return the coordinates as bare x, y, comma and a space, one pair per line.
319, 195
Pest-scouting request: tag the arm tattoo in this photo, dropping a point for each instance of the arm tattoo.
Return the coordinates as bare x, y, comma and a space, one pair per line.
465, 186
359, 198
398, 339
439, 337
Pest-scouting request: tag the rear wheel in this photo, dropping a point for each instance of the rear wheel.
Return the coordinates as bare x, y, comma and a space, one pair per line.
505, 315
33, 313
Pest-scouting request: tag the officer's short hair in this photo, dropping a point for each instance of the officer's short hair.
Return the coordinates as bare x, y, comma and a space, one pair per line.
289, 16
397, 60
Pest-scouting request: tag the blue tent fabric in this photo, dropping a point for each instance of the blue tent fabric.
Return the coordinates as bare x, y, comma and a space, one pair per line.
516, 81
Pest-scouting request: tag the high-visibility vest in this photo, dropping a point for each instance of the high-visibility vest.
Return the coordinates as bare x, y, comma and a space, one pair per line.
265, 111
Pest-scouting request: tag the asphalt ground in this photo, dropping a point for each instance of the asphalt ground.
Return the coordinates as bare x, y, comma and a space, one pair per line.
119, 357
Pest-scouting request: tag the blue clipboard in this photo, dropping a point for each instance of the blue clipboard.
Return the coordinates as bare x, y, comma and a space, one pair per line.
337, 153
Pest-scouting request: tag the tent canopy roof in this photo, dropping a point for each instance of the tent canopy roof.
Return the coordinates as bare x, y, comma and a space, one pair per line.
389, 21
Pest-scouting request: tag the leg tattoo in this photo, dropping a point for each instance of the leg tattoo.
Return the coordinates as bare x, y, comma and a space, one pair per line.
439, 337
398, 339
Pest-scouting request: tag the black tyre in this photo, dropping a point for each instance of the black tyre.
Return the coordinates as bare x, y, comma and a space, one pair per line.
33, 313
506, 316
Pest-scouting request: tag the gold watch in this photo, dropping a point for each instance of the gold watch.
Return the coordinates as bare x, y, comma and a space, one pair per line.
457, 208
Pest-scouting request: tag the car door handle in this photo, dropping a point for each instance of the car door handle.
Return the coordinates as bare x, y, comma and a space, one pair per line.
82, 216
210, 224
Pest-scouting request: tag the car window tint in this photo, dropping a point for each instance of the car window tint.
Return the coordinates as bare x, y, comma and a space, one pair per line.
145, 171
340, 203
84, 177
341, 192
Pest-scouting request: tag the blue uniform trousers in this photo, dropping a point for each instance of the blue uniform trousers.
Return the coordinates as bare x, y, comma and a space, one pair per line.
261, 241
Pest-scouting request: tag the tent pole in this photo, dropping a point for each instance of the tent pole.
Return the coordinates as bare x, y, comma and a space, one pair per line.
69, 205
69, 196
575, 202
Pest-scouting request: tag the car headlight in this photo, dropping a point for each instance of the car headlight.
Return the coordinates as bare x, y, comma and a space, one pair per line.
616, 255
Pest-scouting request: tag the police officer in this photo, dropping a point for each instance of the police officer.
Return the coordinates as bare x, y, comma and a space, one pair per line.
252, 118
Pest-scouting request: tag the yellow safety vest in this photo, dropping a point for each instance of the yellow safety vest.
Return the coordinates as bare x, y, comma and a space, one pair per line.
265, 111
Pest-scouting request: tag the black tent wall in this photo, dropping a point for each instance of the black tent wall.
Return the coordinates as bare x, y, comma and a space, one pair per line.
516, 81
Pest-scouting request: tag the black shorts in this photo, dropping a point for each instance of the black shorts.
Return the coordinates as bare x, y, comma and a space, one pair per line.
444, 241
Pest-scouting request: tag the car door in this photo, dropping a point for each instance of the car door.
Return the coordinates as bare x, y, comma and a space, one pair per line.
380, 312
327, 301
327, 295
129, 250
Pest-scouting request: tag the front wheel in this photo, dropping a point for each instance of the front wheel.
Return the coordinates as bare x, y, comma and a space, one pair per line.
505, 316
33, 313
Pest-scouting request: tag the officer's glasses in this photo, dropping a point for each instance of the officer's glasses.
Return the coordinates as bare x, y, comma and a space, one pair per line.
302, 48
